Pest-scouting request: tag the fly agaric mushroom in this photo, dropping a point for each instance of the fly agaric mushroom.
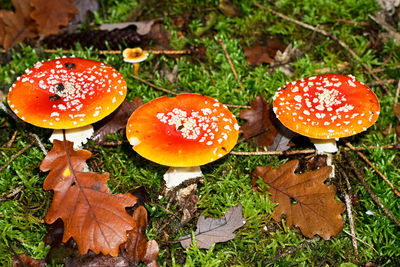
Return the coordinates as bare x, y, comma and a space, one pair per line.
67, 93
135, 56
326, 107
182, 132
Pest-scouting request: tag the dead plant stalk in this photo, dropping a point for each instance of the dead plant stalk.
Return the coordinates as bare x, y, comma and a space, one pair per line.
375, 169
327, 34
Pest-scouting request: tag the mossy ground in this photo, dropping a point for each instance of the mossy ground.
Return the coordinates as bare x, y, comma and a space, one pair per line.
227, 181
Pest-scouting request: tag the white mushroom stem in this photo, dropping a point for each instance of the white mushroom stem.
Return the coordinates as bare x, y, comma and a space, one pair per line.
79, 136
177, 175
326, 147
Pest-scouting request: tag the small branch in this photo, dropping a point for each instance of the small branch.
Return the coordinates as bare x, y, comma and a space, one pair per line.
15, 156
11, 193
307, 151
153, 85
375, 169
369, 190
381, 82
290, 251
231, 64
349, 209
286, 153
327, 34
174, 93
358, 239
114, 52
39, 143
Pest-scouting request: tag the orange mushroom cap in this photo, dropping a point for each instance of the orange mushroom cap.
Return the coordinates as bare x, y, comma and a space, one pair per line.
326, 106
183, 131
67, 93
134, 55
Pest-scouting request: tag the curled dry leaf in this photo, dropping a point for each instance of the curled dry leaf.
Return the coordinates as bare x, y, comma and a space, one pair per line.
304, 198
215, 230
92, 216
259, 124
116, 121
51, 15
263, 53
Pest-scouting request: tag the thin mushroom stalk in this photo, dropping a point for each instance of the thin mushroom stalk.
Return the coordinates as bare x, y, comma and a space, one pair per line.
325, 108
182, 132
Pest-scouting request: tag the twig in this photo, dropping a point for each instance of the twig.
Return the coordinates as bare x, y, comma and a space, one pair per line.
375, 169
369, 190
381, 82
114, 52
361, 23
290, 251
327, 34
153, 85
231, 64
174, 93
349, 209
112, 143
16, 156
39, 143
11, 193
287, 153
307, 151
11, 141
362, 241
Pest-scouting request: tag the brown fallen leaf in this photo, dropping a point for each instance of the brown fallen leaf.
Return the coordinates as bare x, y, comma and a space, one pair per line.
116, 121
263, 53
16, 26
92, 216
264, 128
137, 248
23, 260
51, 15
304, 198
216, 230
396, 109
259, 124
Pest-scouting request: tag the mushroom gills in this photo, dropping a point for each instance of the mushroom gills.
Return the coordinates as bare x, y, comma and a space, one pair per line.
177, 175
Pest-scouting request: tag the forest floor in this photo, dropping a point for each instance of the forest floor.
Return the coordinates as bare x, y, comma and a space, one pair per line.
240, 53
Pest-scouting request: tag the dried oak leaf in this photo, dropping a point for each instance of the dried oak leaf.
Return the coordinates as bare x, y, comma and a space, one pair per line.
51, 15
304, 198
263, 53
215, 230
116, 121
137, 248
92, 216
16, 26
23, 260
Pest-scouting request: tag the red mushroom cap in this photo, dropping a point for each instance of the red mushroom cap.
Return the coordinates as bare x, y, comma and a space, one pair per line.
182, 131
326, 106
67, 93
